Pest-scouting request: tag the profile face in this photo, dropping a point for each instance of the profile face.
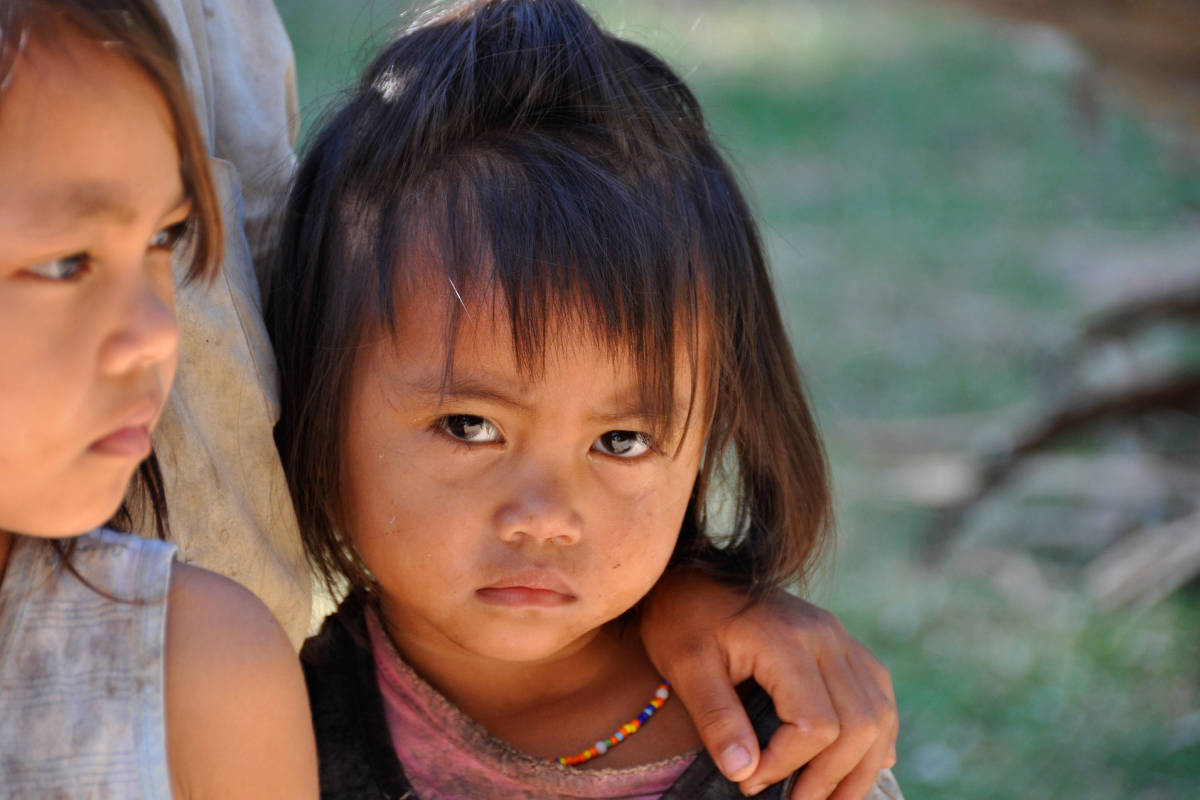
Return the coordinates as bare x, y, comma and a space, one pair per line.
91, 205
507, 517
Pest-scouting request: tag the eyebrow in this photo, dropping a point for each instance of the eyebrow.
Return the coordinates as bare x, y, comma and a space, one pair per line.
85, 201
627, 406
464, 388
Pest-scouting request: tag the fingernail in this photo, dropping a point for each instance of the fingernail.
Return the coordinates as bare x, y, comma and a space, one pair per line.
734, 759
755, 789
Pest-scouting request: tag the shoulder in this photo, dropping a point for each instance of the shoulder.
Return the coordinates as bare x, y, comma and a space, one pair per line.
237, 719
354, 744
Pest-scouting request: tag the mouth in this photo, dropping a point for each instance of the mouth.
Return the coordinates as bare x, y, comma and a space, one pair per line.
537, 588
132, 438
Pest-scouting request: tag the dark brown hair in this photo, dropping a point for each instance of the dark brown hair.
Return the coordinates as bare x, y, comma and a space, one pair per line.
135, 30
572, 174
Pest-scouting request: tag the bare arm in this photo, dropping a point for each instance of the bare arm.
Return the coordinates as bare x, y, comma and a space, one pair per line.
835, 699
238, 724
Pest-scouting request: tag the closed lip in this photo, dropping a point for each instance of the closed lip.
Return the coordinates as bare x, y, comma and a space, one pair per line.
131, 435
537, 587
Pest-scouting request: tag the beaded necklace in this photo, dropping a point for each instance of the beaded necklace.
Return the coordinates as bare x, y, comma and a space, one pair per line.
628, 729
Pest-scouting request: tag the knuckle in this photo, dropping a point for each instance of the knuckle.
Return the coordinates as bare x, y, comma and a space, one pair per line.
861, 730
714, 718
866, 731
884, 713
825, 621
824, 731
691, 649
891, 718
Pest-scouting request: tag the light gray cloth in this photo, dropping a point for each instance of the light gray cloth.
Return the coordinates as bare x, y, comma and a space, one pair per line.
230, 510
81, 674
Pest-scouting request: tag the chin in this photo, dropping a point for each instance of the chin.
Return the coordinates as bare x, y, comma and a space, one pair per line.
75, 519
523, 646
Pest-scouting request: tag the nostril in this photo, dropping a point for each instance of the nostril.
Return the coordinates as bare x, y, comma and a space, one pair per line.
558, 526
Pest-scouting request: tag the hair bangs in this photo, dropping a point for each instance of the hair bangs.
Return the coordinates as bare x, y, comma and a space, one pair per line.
533, 166
565, 242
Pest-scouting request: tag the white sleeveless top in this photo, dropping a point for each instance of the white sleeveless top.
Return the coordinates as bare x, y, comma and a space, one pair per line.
82, 710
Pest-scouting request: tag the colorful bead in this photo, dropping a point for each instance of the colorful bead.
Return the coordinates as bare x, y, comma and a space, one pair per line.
628, 729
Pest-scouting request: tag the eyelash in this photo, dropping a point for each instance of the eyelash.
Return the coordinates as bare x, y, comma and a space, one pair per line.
444, 426
79, 263
173, 235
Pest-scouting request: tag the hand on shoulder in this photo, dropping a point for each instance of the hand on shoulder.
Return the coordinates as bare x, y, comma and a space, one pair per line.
835, 699
238, 724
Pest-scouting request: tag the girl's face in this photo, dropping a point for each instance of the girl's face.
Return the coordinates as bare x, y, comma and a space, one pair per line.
91, 202
508, 517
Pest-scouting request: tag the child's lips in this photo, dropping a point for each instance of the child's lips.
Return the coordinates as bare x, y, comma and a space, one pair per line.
131, 437
537, 588
132, 441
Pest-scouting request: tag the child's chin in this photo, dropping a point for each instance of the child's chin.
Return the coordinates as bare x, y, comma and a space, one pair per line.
525, 646
63, 524
72, 516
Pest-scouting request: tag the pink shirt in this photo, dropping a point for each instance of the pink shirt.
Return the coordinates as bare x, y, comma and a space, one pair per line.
447, 756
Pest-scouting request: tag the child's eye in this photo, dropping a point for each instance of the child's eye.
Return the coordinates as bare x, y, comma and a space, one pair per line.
623, 444
468, 428
60, 269
167, 238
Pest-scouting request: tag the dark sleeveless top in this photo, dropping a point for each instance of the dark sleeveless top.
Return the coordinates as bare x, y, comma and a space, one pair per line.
354, 746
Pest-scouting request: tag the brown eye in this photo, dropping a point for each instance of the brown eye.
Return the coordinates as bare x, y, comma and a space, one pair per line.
623, 444
469, 428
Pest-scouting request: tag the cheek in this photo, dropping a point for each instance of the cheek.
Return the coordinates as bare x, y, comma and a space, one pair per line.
644, 535
48, 375
660, 502
406, 522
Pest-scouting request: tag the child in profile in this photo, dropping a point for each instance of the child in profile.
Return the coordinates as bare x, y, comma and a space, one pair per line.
528, 343
122, 672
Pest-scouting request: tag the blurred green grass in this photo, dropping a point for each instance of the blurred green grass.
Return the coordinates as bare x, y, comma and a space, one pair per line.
920, 174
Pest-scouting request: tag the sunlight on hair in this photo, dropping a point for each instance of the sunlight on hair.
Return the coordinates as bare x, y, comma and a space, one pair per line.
388, 85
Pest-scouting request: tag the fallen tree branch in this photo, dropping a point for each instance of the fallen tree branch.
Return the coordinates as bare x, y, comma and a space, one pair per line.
1125, 319
1178, 390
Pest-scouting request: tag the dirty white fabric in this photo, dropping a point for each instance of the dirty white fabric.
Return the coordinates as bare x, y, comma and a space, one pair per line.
81, 675
226, 493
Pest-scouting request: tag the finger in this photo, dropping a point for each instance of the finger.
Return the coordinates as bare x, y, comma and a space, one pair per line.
859, 731
702, 684
874, 675
862, 778
809, 722
877, 683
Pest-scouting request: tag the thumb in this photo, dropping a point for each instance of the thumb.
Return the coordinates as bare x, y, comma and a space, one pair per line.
702, 684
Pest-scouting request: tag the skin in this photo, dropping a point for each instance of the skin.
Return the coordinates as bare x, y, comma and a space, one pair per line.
89, 209
834, 698
496, 480
804, 642
509, 519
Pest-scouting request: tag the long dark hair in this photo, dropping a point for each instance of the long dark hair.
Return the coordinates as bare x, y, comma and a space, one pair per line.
572, 173
135, 30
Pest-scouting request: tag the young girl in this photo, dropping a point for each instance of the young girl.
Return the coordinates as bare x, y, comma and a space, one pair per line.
122, 674
529, 355
231, 510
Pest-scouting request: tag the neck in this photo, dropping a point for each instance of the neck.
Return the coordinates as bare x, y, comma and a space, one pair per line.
487, 688
559, 705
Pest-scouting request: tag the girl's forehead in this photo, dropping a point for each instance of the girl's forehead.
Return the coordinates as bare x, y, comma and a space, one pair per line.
446, 337
87, 145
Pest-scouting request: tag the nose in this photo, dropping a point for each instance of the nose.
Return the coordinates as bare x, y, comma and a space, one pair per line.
146, 332
539, 510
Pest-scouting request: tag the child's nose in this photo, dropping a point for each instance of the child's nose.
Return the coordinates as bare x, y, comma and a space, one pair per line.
540, 510
146, 332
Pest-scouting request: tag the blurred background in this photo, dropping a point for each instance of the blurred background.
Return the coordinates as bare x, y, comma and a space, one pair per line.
986, 236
